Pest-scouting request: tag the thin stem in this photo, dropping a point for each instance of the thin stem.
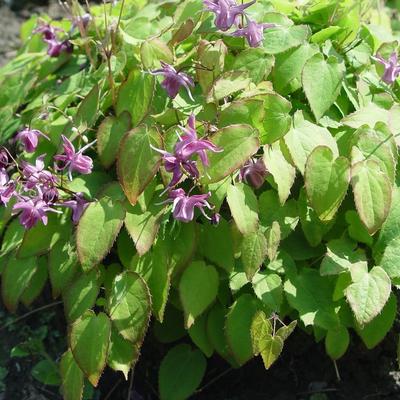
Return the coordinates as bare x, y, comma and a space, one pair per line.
22, 317
130, 385
337, 371
214, 380
120, 15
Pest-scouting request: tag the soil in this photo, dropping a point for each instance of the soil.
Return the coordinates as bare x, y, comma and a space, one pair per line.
11, 20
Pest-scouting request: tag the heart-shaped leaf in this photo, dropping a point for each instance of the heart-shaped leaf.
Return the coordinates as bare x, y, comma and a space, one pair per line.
239, 143
89, 340
198, 288
327, 180
97, 230
71, 377
368, 294
372, 193
322, 82
137, 161
129, 304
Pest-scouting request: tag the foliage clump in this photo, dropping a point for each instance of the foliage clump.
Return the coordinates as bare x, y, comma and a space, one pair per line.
232, 164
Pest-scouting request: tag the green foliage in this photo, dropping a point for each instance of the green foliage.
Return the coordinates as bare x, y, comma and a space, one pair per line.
316, 240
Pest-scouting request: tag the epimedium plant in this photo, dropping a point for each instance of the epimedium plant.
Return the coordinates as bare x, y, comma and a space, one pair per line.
224, 171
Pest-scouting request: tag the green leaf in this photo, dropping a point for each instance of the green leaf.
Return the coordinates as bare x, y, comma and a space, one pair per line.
256, 61
81, 295
280, 169
135, 95
137, 161
322, 82
212, 57
273, 347
16, 277
122, 354
109, 135
273, 236
261, 328
181, 371
143, 226
153, 51
285, 331
376, 144
390, 229
336, 342
129, 305
368, 294
97, 230
36, 284
41, 238
89, 340
247, 111
46, 372
198, 288
215, 331
277, 120
216, 244
244, 208
342, 254
71, 377
304, 137
271, 212
253, 252
311, 295
286, 74
372, 193
13, 236
63, 265
87, 113
198, 334
326, 180
374, 332
227, 84
268, 288
239, 143
238, 327
390, 261
282, 38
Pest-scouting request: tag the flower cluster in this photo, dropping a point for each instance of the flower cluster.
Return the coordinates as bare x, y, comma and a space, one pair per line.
54, 46
229, 13
180, 163
174, 80
37, 190
392, 68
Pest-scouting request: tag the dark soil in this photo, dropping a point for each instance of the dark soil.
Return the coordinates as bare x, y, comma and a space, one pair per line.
303, 372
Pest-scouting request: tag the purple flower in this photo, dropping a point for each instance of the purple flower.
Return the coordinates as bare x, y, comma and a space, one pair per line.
253, 172
183, 205
36, 176
74, 161
55, 48
81, 20
30, 139
173, 80
226, 12
215, 218
3, 158
253, 32
187, 146
78, 205
48, 32
392, 68
7, 187
32, 211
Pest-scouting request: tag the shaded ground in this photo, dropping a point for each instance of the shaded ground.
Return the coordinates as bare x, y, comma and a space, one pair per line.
10, 22
303, 372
